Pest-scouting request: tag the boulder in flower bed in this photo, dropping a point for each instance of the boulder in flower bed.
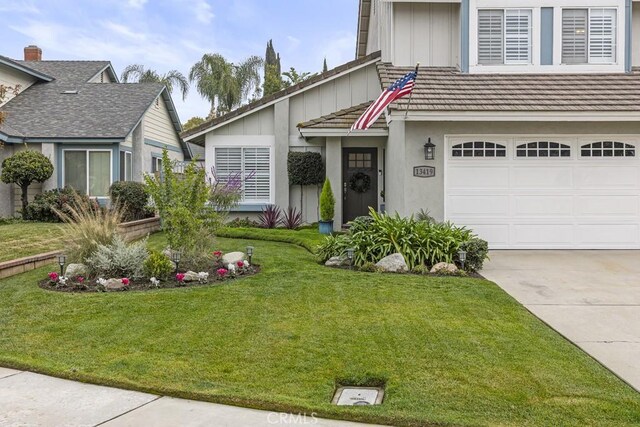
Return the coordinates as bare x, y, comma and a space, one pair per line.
394, 263
115, 285
74, 270
337, 261
444, 268
233, 258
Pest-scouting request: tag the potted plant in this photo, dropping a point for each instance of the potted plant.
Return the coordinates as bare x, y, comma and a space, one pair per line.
327, 205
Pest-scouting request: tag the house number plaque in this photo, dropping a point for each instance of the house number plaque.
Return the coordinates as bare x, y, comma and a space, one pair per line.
424, 171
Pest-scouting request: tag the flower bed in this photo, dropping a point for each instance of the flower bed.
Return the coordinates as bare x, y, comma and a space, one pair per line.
217, 274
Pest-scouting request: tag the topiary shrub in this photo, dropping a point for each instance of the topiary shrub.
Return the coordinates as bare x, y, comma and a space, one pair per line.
477, 253
158, 265
305, 168
132, 197
327, 202
44, 204
24, 168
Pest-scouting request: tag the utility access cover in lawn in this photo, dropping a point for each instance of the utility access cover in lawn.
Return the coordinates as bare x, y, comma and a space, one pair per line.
358, 396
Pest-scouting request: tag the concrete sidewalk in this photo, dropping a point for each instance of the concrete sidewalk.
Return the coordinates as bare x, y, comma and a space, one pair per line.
590, 297
28, 399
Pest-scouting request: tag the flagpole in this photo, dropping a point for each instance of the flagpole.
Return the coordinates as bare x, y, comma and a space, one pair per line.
406, 112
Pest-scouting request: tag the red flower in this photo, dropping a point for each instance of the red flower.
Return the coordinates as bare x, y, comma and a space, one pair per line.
53, 276
125, 281
222, 272
80, 279
180, 277
217, 254
240, 264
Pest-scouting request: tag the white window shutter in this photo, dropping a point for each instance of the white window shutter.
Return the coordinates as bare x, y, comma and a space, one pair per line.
228, 162
517, 36
574, 36
490, 36
257, 161
602, 36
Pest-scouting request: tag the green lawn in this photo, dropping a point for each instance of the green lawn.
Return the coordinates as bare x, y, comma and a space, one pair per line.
452, 351
20, 239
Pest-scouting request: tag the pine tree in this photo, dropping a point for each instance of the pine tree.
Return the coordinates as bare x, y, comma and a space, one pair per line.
272, 71
324, 65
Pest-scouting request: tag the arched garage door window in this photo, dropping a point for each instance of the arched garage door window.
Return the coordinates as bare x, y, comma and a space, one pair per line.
478, 149
608, 149
543, 149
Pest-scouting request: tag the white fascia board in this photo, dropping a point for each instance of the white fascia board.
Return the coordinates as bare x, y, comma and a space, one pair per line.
518, 116
275, 101
312, 133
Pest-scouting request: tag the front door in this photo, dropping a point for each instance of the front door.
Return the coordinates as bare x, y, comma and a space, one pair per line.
360, 182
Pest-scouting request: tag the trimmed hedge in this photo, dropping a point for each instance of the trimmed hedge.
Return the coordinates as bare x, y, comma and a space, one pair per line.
133, 197
305, 168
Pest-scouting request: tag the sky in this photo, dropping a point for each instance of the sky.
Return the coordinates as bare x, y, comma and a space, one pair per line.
174, 34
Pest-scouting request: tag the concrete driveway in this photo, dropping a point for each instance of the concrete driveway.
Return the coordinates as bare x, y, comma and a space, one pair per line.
590, 297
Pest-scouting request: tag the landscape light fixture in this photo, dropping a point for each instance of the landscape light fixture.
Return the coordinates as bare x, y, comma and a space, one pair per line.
462, 255
62, 259
175, 257
350, 252
429, 150
250, 253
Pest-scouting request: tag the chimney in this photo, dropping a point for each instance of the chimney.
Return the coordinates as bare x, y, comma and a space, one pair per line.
32, 53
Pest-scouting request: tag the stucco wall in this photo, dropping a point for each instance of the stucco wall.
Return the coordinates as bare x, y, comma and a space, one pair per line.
407, 194
6, 190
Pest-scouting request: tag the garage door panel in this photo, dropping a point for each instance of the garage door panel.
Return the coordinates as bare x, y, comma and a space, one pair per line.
542, 177
536, 234
482, 177
493, 205
605, 205
608, 234
497, 234
545, 206
589, 176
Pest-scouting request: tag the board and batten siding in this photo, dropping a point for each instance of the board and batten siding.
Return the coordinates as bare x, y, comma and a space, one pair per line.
102, 77
13, 78
635, 35
428, 33
158, 126
260, 122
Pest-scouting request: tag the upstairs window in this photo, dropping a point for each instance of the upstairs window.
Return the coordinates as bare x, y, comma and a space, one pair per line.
504, 36
589, 36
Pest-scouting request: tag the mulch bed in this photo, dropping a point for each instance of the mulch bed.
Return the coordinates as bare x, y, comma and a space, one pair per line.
90, 285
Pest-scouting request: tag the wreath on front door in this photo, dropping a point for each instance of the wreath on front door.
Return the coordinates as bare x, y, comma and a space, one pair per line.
360, 182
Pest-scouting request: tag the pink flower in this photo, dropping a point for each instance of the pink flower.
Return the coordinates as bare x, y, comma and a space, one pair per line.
240, 264
180, 277
222, 272
80, 279
217, 254
125, 281
53, 276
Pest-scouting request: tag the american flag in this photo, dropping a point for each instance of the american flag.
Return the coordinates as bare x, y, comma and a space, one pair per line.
400, 88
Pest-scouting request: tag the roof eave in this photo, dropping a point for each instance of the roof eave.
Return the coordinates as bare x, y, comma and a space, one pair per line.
325, 132
26, 70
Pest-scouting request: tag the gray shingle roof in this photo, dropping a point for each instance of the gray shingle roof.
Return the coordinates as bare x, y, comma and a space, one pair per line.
97, 110
446, 89
342, 119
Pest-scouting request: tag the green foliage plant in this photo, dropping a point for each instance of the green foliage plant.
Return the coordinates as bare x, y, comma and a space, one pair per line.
158, 265
119, 259
132, 197
24, 168
327, 202
42, 207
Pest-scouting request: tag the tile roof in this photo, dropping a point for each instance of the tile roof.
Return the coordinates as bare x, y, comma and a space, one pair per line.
281, 94
342, 119
446, 89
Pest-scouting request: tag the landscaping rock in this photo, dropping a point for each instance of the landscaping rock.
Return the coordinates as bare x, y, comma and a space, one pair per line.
443, 267
114, 285
232, 257
393, 264
337, 261
190, 276
74, 270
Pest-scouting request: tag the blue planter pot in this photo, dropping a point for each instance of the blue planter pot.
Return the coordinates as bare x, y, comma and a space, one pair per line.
326, 227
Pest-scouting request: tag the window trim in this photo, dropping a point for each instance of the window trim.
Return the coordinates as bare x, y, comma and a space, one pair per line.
254, 144
505, 11
123, 166
87, 151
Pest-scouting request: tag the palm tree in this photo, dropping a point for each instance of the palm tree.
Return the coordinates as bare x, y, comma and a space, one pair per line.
173, 78
295, 77
224, 83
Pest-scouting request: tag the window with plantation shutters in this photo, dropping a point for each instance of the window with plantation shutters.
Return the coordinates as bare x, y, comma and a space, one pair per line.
517, 39
602, 36
504, 36
589, 36
490, 36
251, 162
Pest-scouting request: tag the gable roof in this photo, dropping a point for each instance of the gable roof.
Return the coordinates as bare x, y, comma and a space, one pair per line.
194, 133
343, 119
447, 89
17, 65
364, 16
71, 72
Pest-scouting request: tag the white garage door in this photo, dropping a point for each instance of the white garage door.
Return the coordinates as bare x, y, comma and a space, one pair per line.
545, 192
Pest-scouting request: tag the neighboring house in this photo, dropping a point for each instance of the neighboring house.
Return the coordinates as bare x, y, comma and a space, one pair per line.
533, 107
94, 129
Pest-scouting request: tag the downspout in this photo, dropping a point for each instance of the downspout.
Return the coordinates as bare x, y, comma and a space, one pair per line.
628, 35
464, 36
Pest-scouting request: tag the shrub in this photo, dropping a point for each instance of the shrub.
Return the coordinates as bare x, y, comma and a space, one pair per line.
327, 202
291, 218
119, 259
368, 267
305, 168
25, 167
425, 215
270, 216
334, 245
133, 198
89, 227
45, 204
158, 265
477, 252
242, 223
420, 269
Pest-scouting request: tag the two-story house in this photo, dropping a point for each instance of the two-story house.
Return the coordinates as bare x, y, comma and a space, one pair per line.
533, 107
94, 129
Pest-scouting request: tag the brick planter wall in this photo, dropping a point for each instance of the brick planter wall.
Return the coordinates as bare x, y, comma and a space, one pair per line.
22, 265
136, 229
